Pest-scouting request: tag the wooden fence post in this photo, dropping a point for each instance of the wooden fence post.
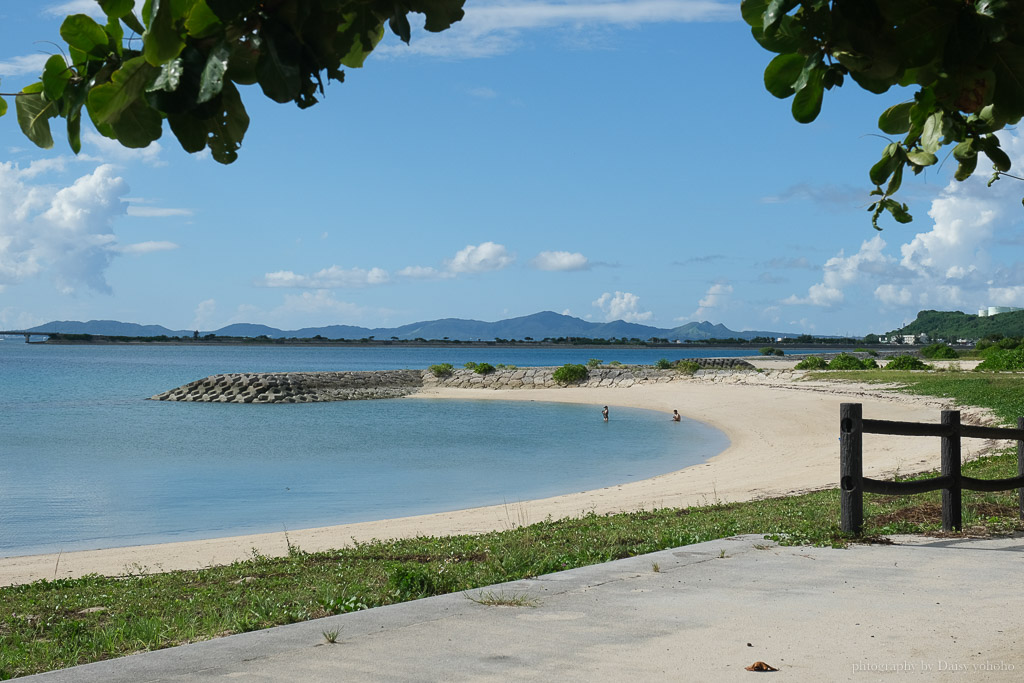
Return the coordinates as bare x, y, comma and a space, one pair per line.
1020, 467
851, 468
952, 508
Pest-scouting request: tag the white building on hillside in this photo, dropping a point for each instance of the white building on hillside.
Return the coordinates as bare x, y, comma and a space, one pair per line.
996, 310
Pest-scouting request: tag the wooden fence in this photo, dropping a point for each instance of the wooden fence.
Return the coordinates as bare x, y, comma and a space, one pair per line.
853, 484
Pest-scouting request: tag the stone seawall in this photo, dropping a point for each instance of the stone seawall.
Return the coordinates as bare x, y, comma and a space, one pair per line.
308, 387
297, 387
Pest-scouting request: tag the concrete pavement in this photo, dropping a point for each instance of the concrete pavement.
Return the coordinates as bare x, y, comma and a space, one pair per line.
944, 609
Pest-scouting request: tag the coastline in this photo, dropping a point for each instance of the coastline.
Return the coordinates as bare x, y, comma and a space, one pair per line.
782, 441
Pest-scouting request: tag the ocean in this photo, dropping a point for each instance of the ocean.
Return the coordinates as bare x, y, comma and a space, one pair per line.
86, 462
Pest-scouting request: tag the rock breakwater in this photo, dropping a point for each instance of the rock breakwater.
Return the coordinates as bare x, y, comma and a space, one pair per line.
297, 387
309, 387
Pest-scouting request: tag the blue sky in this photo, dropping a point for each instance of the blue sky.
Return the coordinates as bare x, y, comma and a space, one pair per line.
608, 160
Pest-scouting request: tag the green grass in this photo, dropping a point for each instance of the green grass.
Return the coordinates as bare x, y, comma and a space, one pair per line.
54, 624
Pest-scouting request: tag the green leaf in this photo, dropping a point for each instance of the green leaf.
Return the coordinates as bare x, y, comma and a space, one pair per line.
998, 157
138, 125
202, 22
3, 106
931, 135
898, 211
227, 132
884, 168
278, 70
162, 41
896, 119
808, 98
782, 73
1008, 92
170, 76
753, 12
440, 14
132, 22
229, 10
966, 168
56, 75
34, 114
896, 181
212, 79
922, 158
127, 85
399, 24
81, 32
965, 150
116, 8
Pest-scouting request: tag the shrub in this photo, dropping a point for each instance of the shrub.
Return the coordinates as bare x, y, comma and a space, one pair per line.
939, 351
570, 373
845, 361
767, 351
812, 363
663, 364
470, 365
1003, 360
615, 363
687, 367
441, 369
906, 362
483, 368
593, 362
780, 352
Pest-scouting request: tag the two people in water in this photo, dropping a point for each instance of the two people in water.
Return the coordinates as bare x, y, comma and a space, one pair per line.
676, 417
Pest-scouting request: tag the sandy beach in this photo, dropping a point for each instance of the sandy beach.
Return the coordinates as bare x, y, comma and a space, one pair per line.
783, 439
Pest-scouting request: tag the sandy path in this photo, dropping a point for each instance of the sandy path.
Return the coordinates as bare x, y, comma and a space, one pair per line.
783, 439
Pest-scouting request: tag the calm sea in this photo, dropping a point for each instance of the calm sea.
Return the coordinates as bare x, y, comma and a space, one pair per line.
86, 462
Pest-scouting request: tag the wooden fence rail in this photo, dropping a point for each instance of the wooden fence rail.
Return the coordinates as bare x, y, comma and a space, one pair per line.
853, 484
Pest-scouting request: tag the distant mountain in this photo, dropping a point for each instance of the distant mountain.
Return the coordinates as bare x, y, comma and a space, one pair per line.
109, 328
538, 326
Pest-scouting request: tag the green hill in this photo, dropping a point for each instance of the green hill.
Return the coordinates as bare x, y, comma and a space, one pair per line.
959, 325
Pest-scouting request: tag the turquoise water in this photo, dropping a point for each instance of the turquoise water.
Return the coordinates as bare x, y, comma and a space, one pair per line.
85, 462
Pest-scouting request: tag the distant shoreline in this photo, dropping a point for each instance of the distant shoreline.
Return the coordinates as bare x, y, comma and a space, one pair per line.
100, 340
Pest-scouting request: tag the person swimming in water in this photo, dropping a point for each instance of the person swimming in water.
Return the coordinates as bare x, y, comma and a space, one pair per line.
604, 413
676, 417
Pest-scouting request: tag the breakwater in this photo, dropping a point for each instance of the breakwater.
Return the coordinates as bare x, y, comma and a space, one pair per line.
308, 387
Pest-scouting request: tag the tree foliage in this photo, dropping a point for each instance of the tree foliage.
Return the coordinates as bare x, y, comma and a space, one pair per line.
963, 58
183, 60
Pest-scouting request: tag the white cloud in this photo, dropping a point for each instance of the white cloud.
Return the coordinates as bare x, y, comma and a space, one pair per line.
716, 297
328, 278
1005, 296
64, 232
145, 247
204, 315
90, 7
108, 150
154, 211
297, 310
425, 273
316, 302
483, 93
25, 65
478, 259
841, 272
893, 295
560, 260
491, 29
622, 306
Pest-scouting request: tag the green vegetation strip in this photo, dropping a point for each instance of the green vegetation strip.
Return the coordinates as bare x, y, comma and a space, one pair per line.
49, 625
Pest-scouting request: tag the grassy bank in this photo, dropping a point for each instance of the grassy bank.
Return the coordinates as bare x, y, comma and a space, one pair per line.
53, 624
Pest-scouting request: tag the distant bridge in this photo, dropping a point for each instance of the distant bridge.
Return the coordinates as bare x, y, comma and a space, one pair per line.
27, 335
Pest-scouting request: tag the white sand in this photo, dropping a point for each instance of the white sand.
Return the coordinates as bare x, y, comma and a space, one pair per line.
784, 439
